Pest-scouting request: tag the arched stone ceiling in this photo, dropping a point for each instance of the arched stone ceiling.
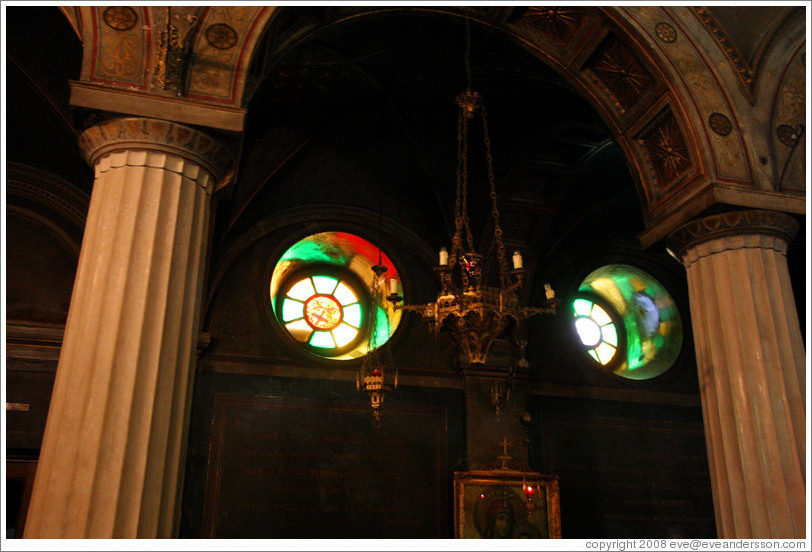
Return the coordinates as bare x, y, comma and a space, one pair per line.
651, 72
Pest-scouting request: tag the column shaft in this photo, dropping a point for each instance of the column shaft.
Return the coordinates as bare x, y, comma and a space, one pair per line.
750, 358
110, 464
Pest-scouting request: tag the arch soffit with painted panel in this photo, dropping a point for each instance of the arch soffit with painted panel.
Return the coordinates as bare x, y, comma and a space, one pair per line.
653, 73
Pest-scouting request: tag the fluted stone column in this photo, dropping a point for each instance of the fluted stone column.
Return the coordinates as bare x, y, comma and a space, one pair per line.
750, 358
110, 464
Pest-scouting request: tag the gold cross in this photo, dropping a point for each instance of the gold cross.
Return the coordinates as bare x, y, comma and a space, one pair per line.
505, 444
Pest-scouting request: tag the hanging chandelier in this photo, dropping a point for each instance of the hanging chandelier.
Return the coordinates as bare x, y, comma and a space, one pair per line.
474, 309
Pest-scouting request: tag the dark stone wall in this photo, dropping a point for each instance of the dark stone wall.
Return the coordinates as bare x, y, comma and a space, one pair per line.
316, 427
625, 469
40, 272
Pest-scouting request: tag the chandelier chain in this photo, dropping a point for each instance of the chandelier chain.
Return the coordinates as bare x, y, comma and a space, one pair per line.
461, 221
456, 244
468, 54
497, 229
466, 222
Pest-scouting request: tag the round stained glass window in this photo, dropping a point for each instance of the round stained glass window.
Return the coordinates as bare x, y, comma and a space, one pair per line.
325, 295
627, 322
323, 311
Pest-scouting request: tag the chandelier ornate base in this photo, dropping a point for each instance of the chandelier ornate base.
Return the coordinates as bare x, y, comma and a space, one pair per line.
477, 316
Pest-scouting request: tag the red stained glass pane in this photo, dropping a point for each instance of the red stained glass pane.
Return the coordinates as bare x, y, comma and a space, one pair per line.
322, 312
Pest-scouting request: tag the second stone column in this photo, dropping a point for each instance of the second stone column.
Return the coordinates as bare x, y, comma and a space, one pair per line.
750, 359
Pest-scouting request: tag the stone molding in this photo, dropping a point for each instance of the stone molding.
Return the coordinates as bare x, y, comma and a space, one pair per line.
47, 190
136, 133
733, 223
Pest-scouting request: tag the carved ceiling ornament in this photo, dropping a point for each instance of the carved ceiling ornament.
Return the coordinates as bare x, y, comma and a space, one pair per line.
720, 124
787, 135
120, 18
666, 151
560, 22
221, 36
665, 32
619, 71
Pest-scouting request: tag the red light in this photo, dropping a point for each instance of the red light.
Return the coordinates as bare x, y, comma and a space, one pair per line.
376, 371
530, 490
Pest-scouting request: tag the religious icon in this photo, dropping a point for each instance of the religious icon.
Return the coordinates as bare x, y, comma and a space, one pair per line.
506, 504
496, 512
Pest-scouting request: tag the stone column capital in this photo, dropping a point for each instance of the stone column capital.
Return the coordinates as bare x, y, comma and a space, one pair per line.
732, 224
137, 133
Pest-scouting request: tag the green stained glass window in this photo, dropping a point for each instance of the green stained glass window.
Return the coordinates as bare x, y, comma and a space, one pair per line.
323, 296
627, 321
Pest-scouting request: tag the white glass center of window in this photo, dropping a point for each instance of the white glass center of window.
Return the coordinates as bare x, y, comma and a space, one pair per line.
588, 331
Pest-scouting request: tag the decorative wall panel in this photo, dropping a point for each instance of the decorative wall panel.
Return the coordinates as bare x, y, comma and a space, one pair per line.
558, 31
747, 64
